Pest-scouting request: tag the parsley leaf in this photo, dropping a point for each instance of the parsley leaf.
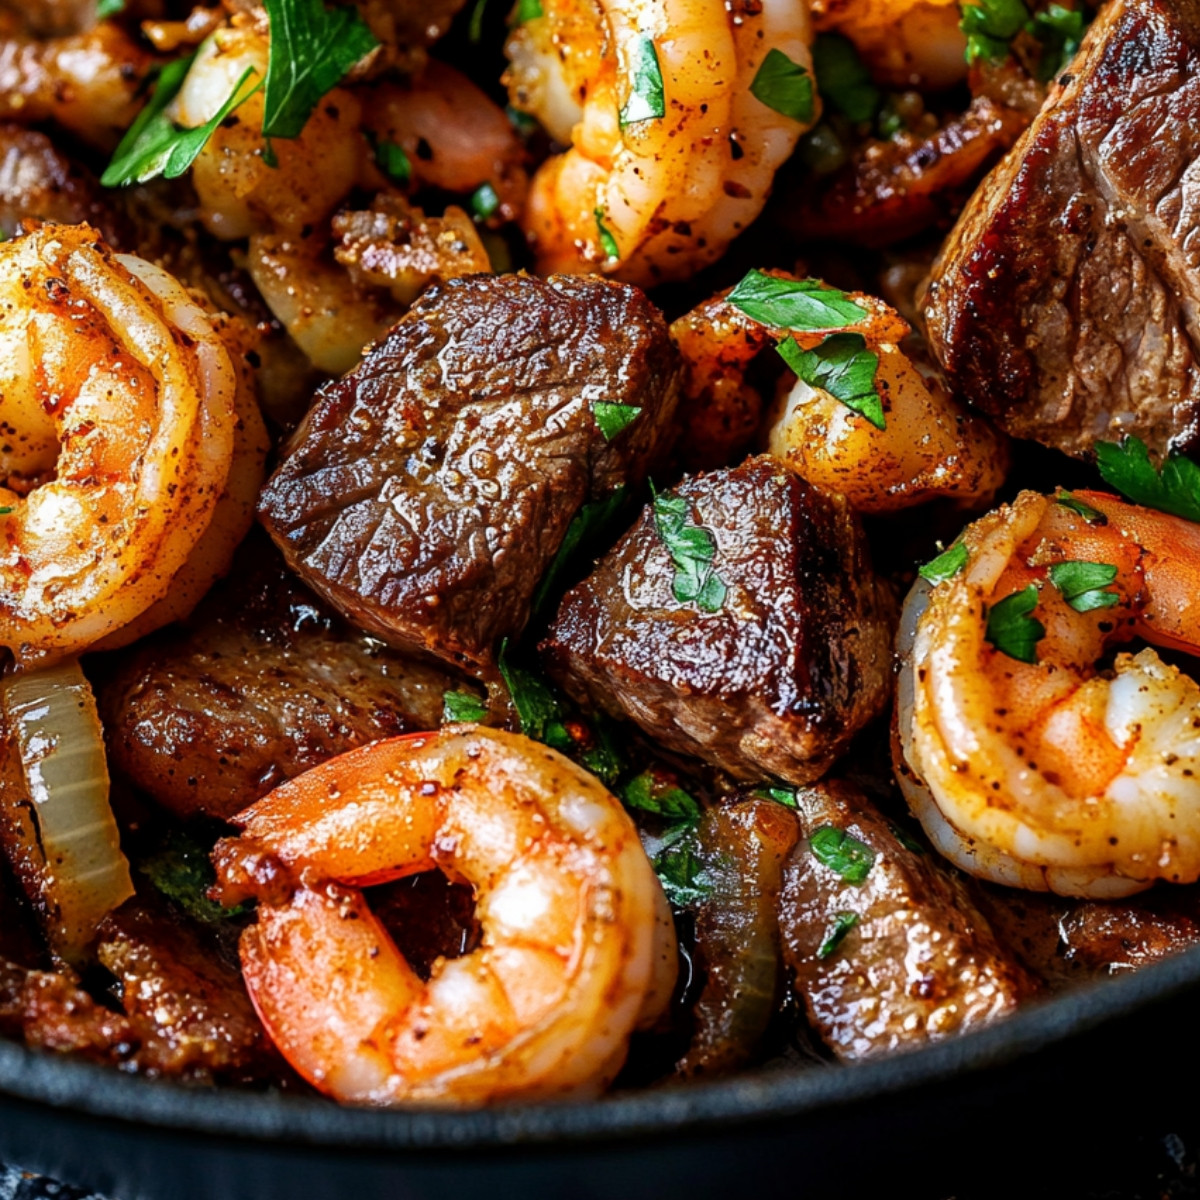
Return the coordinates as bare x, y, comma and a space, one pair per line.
804, 304
154, 145
781, 795
601, 756
1093, 516
842, 853
613, 418
680, 869
1082, 584
527, 10
312, 49
181, 870
608, 243
1060, 30
108, 8
841, 925
990, 25
784, 86
6, 509
1012, 630
462, 706
646, 100
391, 160
588, 524
1174, 489
475, 27
651, 793
484, 201
539, 710
947, 564
692, 549
843, 79
842, 366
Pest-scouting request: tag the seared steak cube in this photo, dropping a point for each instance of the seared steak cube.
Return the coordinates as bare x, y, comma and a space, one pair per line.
428, 490
767, 658
1064, 302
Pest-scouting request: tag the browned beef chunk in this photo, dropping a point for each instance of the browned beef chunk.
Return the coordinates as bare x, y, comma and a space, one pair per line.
428, 490
1064, 301
791, 663
887, 945
39, 182
265, 683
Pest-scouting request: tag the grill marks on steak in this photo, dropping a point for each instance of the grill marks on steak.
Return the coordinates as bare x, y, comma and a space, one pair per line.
797, 660
1066, 303
427, 491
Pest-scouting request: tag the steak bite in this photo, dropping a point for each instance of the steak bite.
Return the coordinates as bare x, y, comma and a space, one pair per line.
1065, 301
265, 683
782, 651
427, 491
887, 946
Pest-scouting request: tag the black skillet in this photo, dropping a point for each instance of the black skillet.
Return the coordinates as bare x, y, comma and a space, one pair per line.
1019, 1109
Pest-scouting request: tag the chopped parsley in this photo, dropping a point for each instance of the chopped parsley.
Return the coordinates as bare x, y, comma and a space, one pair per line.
312, 49
843, 79
154, 145
526, 10
1093, 516
680, 869
804, 304
109, 8
1060, 31
392, 160
842, 853
181, 870
784, 86
651, 792
608, 243
1174, 489
539, 710
646, 101
1082, 584
475, 27
587, 525
947, 564
781, 795
990, 25
1012, 630
692, 549
612, 419
484, 201
5, 509
842, 366
841, 925
462, 706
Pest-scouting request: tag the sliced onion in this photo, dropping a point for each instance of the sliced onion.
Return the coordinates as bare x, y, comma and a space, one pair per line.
56, 826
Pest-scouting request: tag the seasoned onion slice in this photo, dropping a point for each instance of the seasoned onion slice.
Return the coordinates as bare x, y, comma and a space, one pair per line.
56, 826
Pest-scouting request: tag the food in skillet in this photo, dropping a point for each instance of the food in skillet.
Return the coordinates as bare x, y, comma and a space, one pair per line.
560, 725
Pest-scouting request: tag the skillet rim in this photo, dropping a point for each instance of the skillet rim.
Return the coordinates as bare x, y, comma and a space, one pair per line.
89, 1089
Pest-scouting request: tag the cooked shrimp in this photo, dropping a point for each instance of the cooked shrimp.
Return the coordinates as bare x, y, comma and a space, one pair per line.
574, 953
667, 193
930, 447
906, 43
1056, 774
117, 399
88, 83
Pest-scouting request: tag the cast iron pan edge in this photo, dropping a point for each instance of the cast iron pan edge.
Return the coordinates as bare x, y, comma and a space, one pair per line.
84, 1088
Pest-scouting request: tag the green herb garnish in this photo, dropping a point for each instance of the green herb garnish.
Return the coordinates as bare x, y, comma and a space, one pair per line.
462, 706
587, 525
842, 853
312, 50
649, 792
804, 304
475, 26
1082, 584
1060, 30
1174, 489
392, 160
947, 564
154, 145
526, 10
680, 869
692, 549
109, 8
612, 419
539, 710
842, 923
484, 201
781, 795
784, 86
843, 79
1012, 630
842, 366
646, 101
6, 509
990, 25
1092, 516
608, 243
181, 870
